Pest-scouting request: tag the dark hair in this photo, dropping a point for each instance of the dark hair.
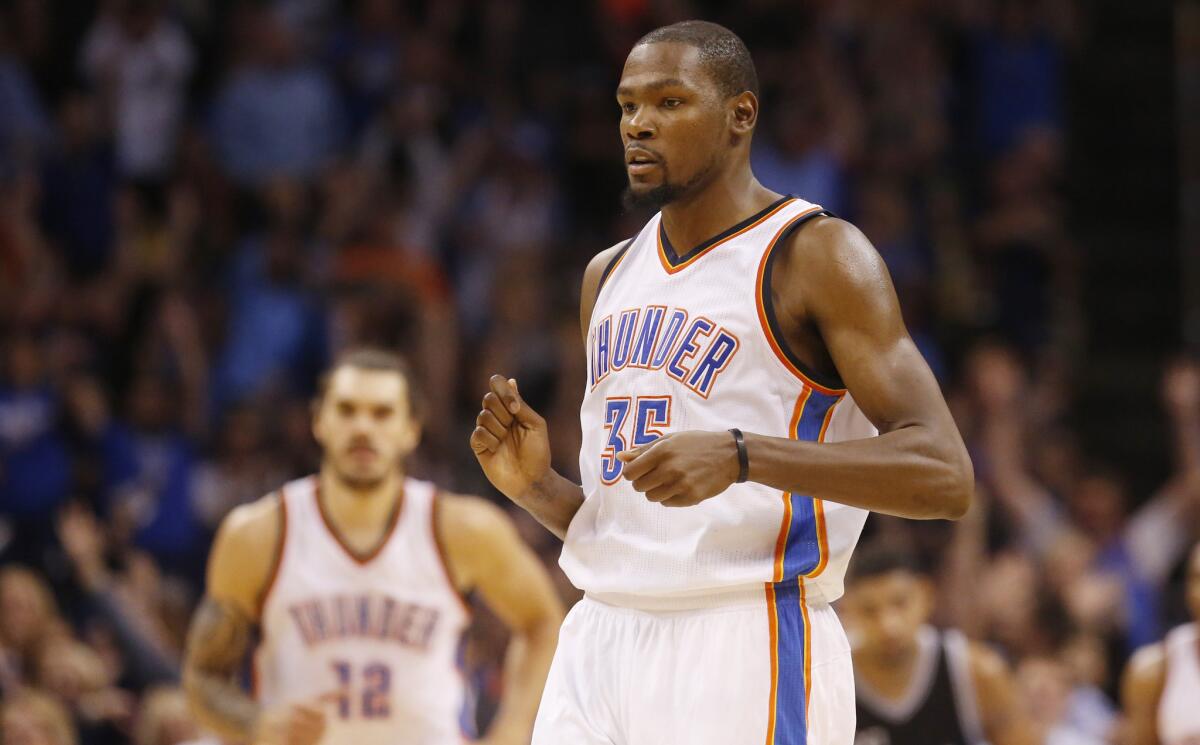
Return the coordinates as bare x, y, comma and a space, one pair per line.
722, 52
876, 560
376, 359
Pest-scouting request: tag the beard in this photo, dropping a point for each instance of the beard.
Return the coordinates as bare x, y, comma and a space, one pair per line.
665, 193
358, 482
653, 199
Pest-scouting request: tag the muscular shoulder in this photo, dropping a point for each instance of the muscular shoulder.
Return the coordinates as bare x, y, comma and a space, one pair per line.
1146, 671
592, 276
245, 553
474, 532
827, 266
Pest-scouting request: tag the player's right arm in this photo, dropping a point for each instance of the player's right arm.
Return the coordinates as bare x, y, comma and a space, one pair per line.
510, 438
240, 566
1141, 690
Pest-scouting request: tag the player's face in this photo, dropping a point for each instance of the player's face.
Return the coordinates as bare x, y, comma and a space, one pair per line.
364, 425
1193, 583
888, 610
674, 123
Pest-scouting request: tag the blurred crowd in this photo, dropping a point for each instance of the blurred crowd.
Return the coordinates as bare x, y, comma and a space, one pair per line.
201, 202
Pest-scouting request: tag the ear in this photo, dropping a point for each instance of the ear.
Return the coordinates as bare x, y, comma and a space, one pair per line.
317, 429
743, 110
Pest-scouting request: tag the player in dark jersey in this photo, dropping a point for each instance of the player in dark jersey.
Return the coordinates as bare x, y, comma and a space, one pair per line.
915, 684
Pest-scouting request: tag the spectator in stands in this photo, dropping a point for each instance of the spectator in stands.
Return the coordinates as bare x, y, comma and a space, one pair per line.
30, 717
165, 719
151, 462
35, 473
277, 114
79, 180
76, 675
29, 621
140, 60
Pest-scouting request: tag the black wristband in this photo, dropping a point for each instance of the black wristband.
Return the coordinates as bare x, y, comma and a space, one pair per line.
743, 458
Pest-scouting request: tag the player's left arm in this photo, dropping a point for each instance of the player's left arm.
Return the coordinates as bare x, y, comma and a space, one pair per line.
1004, 722
917, 467
485, 553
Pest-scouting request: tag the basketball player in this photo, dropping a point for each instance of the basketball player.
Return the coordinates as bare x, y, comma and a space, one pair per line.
353, 579
917, 685
1161, 690
742, 349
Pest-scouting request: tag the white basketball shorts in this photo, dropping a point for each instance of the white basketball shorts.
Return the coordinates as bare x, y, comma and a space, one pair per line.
752, 668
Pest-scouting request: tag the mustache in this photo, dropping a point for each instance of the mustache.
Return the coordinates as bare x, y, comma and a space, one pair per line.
650, 150
361, 442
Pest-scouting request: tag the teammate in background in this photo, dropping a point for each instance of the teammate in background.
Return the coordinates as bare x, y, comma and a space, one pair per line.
917, 685
353, 579
742, 350
1161, 689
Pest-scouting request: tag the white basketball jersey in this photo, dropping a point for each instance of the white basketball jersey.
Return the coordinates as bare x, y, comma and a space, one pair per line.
1179, 708
376, 638
691, 343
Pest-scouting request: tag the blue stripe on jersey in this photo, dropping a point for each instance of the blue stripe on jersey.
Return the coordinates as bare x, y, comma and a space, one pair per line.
803, 551
791, 695
466, 712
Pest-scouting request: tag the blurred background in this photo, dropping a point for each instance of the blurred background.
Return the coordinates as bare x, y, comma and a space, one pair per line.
201, 201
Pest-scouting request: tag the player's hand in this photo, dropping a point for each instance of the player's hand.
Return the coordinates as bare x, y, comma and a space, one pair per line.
682, 468
298, 724
510, 439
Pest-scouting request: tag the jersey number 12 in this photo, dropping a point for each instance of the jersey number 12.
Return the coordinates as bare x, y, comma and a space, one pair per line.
376, 688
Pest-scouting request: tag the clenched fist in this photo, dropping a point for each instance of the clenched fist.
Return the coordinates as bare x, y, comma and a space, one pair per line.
683, 468
510, 439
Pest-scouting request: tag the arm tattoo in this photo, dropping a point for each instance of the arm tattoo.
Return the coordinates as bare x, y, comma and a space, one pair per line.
553, 501
216, 647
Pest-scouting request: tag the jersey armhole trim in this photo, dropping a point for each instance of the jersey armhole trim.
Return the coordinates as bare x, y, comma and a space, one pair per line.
770, 322
435, 504
612, 266
277, 564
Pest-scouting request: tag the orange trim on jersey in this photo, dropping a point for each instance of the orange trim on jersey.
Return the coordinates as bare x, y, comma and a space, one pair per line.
360, 559
613, 269
819, 505
256, 657
808, 634
278, 564
443, 560
785, 524
762, 311
773, 636
672, 269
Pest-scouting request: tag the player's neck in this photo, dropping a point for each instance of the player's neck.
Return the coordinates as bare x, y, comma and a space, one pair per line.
360, 510
889, 675
729, 199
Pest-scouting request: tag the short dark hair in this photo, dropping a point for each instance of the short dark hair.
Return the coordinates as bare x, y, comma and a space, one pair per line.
722, 52
376, 359
879, 559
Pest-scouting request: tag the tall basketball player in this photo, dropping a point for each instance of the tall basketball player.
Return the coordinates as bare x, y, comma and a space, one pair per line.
742, 350
917, 685
353, 579
1161, 690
